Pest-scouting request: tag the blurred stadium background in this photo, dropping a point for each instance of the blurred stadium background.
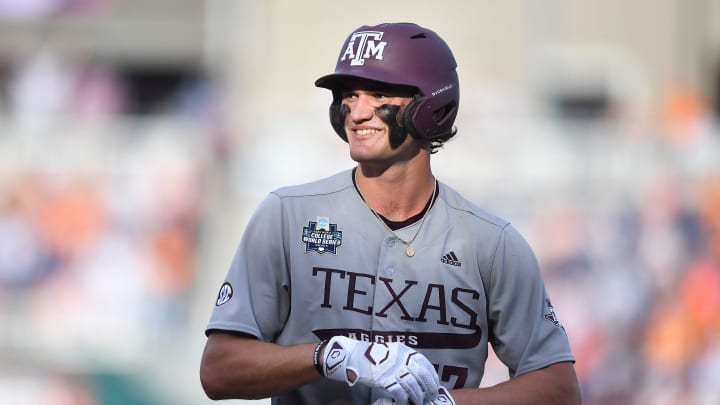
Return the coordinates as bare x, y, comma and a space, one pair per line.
137, 136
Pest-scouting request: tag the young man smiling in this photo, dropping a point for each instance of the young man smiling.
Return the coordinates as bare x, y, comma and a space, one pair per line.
381, 283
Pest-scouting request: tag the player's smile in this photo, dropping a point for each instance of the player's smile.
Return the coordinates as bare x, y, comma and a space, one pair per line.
363, 133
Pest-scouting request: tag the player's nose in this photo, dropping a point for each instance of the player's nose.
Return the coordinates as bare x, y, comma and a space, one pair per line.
362, 109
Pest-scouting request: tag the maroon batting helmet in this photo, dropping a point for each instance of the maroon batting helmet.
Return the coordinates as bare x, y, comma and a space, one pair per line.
402, 54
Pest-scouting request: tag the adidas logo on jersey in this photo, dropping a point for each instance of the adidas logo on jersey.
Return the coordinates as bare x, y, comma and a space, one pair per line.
451, 259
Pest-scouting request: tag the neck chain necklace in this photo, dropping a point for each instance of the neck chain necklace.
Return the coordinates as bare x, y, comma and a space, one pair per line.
409, 251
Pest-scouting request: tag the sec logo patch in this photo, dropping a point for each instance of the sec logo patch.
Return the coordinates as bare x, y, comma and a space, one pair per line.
226, 292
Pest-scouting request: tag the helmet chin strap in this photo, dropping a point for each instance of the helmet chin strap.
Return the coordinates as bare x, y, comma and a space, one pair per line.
390, 114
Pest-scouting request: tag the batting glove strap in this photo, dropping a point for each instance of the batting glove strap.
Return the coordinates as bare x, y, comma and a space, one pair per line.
443, 398
316, 357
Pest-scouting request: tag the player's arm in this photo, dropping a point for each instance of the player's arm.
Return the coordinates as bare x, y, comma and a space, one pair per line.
235, 366
526, 335
241, 367
555, 384
253, 299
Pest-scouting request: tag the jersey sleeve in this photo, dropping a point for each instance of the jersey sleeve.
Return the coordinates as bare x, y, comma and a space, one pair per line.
525, 333
253, 297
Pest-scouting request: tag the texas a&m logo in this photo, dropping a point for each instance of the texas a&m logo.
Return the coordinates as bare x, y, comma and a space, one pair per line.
364, 45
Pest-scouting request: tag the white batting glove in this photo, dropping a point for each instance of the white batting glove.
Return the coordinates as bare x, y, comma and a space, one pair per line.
393, 367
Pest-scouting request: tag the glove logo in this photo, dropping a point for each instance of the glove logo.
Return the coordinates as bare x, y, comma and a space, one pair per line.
377, 353
335, 358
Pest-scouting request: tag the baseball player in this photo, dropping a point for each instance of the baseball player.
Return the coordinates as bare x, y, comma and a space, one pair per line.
381, 284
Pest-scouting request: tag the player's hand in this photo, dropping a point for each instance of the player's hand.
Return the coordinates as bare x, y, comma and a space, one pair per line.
402, 372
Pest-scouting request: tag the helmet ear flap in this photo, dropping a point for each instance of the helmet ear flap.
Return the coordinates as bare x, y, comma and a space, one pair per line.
338, 112
424, 120
408, 121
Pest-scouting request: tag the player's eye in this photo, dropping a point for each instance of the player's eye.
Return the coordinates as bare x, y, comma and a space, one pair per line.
346, 95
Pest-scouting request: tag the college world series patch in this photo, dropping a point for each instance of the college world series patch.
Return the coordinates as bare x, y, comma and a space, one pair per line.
321, 236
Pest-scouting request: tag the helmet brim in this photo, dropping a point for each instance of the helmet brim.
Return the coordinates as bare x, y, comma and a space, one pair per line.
330, 81
342, 81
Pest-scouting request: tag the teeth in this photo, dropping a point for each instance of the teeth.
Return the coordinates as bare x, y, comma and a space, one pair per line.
366, 131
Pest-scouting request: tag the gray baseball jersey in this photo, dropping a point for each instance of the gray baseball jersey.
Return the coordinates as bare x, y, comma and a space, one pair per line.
314, 263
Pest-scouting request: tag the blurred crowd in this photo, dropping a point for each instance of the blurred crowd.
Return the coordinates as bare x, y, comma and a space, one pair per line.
638, 287
101, 212
102, 218
631, 254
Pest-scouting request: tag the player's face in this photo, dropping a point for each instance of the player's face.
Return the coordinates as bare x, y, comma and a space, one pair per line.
368, 134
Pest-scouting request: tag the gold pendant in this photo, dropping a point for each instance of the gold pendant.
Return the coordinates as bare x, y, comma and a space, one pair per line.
409, 251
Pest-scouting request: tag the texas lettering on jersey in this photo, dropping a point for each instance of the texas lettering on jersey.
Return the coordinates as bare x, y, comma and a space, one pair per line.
453, 307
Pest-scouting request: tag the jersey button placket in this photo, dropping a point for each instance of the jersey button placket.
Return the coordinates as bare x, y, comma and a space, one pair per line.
390, 242
387, 269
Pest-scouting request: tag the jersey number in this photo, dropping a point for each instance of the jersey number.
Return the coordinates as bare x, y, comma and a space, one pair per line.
447, 373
